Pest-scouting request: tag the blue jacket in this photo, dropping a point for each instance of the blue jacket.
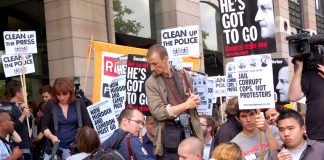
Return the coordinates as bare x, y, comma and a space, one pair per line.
138, 150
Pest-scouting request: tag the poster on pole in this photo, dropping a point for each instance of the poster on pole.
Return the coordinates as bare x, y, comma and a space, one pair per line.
231, 81
200, 87
219, 86
137, 72
20, 42
248, 27
12, 64
109, 71
281, 80
103, 119
118, 94
255, 81
181, 41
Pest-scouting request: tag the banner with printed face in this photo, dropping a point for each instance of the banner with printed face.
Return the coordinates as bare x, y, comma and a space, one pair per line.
255, 84
231, 81
136, 74
200, 87
219, 86
103, 119
248, 27
20, 42
181, 41
12, 64
281, 79
107, 66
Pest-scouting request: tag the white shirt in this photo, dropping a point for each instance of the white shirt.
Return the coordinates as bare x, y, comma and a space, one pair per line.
207, 149
4, 150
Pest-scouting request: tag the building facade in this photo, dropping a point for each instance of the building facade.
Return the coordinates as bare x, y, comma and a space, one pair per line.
64, 29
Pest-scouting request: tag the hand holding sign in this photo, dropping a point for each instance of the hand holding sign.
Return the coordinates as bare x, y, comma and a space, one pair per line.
261, 122
193, 101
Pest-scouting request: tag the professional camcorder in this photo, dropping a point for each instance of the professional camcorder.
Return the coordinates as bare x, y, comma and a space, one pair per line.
184, 121
79, 92
310, 49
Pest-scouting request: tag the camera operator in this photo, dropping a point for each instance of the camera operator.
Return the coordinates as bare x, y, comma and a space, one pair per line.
309, 83
79, 92
171, 103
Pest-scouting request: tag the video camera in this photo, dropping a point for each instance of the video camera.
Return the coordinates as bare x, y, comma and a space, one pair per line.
310, 49
79, 92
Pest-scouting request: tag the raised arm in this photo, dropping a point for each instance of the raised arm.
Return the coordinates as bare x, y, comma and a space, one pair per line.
295, 89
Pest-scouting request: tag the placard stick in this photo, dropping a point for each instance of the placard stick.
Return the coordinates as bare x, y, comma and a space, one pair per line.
221, 109
90, 51
23, 87
260, 139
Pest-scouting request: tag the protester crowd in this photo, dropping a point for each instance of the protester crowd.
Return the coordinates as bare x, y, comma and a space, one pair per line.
61, 126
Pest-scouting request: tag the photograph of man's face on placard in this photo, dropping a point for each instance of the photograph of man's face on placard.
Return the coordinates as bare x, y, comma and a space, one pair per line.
281, 79
248, 27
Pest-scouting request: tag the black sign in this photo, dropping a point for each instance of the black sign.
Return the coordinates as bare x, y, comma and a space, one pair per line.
248, 27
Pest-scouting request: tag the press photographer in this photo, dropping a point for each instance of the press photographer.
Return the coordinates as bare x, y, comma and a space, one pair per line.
308, 59
79, 92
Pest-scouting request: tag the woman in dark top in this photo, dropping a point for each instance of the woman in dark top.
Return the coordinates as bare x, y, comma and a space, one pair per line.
64, 107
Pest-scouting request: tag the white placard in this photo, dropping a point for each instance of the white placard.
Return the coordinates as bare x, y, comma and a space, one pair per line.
176, 62
200, 85
17, 42
219, 86
12, 64
255, 81
118, 93
181, 41
103, 119
231, 81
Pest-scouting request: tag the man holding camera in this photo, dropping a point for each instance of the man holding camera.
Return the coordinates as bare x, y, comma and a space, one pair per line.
171, 103
309, 83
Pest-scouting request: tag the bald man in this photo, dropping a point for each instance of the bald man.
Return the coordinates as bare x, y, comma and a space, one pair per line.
191, 149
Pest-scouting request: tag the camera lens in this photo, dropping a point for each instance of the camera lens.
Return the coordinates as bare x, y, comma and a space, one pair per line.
300, 48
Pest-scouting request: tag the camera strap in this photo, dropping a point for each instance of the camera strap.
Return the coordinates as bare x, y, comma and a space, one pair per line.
177, 79
54, 114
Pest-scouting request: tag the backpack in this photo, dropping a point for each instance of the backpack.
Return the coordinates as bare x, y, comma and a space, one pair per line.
112, 152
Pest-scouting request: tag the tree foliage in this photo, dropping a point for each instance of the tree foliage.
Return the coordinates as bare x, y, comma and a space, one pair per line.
123, 25
204, 34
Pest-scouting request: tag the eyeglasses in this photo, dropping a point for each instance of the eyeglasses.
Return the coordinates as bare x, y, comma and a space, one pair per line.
139, 122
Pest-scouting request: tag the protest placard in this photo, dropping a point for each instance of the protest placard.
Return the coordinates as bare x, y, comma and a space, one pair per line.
137, 72
281, 80
118, 94
255, 84
108, 72
12, 64
231, 81
103, 119
17, 42
181, 41
200, 88
219, 86
244, 32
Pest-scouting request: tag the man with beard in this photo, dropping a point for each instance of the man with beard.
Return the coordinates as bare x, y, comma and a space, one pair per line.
208, 127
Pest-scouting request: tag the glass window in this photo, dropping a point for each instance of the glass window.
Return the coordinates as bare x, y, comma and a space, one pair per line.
295, 14
14, 16
133, 17
319, 16
212, 38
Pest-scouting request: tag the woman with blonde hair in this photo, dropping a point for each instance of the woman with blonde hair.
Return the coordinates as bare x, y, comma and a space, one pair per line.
228, 151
